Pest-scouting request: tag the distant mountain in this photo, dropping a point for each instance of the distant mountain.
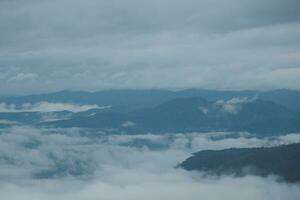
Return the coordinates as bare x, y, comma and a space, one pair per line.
283, 161
288, 98
128, 100
195, 114
160, 111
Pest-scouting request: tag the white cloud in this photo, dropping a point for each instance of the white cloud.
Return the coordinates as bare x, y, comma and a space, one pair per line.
128, 124
203, 109
107, 168
45, 106
137, 185
8, 122
234, 105
24, 77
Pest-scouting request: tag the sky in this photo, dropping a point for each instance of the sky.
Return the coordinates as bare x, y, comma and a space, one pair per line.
92, 45
45, 164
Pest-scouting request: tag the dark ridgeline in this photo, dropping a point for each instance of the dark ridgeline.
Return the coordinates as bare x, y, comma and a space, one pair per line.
283, 161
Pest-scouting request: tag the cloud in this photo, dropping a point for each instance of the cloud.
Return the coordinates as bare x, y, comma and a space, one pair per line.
203, 109
128, 124
23, 76
8, 122
45, 106
154, 186
83, 164
163, 44
233, 106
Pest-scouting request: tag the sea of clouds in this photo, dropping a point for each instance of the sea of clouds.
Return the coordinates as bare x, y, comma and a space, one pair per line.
42, 164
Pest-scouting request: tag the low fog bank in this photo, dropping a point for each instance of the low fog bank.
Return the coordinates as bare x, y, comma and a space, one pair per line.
137, 185
78, 164
45, 106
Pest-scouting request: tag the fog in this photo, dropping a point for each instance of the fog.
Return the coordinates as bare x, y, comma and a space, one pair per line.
45, 106
90, 164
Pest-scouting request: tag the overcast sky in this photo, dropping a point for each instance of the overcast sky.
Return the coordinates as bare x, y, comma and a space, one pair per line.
107, 44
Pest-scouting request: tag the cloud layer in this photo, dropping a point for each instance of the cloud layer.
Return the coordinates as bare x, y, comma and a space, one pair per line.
141, 44
85, 164
45, 106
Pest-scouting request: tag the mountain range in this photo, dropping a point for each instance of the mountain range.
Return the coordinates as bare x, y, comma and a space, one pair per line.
160, 111
136, 99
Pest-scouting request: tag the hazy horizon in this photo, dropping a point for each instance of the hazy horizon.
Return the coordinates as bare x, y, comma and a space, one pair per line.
142, 89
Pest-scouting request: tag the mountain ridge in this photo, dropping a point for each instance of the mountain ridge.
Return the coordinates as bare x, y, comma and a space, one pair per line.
136, 99
196, 114
283, 160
